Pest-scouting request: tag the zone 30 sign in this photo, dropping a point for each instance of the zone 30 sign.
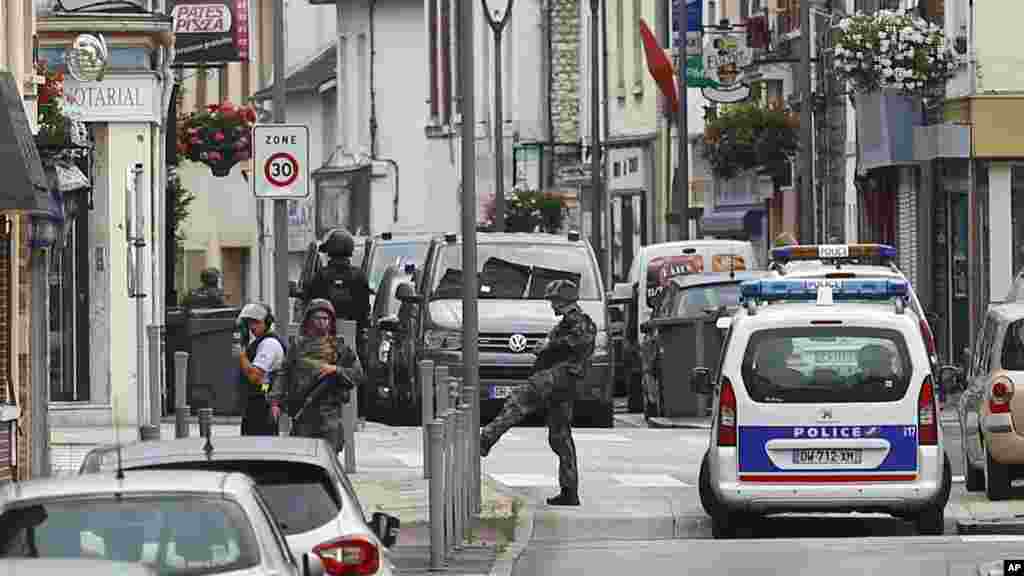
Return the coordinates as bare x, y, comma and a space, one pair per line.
281, 161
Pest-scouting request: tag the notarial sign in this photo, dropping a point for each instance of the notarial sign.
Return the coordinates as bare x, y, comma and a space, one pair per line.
280, 155
210, 31
127, 98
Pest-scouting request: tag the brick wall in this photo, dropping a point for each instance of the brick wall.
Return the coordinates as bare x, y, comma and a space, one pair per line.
565, 70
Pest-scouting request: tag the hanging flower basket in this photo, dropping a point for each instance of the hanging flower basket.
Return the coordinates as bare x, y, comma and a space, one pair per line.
220, 136
528, 211
747, 136
53, 124
889, 49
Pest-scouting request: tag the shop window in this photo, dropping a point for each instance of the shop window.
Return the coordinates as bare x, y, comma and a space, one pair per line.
123, 58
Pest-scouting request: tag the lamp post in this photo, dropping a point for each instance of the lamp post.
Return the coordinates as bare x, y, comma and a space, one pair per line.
497, 16
595, 139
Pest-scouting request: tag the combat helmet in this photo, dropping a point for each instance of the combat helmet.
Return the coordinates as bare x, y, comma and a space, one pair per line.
561, 291
338, 244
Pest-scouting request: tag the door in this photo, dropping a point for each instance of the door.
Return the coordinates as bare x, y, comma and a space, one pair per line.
629, 230
234, 274
959, 281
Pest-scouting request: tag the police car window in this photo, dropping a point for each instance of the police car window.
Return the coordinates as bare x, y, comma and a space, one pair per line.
826, 364
1013, 347
178, 534
516, 270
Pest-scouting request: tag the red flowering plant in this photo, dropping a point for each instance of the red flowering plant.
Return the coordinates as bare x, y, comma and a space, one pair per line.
220, 136
50, 103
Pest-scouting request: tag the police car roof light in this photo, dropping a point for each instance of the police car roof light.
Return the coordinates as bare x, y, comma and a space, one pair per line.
862, 289
833, 252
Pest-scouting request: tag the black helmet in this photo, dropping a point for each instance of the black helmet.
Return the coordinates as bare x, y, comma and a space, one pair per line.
561, 291
209, 277
338, 244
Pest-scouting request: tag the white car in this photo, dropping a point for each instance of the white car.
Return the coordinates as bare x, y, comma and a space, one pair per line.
824, 402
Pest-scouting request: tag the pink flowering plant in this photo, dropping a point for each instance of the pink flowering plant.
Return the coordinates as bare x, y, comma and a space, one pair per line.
893, 50
220, 136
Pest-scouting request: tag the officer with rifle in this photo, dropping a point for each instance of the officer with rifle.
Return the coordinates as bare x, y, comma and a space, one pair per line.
319, 374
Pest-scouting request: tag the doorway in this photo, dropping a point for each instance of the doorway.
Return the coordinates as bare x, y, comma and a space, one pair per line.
629, 229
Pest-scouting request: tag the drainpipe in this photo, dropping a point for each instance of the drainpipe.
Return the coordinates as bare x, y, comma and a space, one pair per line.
606, 201
374, 149
549, 66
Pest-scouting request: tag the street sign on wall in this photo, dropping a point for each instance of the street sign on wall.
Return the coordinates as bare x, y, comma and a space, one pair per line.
281, 161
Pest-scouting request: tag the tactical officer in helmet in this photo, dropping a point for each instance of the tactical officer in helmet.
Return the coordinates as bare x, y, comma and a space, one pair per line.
260, 364
562, 362
208, 295
345, 287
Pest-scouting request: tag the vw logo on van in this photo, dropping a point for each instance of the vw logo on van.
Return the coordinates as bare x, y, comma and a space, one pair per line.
517, 343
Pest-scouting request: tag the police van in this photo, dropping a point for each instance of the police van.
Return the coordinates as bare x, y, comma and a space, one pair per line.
824, 401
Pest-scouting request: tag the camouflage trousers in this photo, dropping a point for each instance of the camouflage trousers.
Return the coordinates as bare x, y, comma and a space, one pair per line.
552, 391
323, 422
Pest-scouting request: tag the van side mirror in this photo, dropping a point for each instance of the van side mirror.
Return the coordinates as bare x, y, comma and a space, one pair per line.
386, 528
950, 379
700, 380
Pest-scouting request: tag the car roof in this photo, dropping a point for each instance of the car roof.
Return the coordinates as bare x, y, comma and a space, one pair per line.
519, 238
706, 278
705, 243
773, 314
264, 448
134, 482
77, 566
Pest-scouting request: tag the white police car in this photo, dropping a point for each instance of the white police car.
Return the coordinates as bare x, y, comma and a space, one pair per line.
824, 402
850, 261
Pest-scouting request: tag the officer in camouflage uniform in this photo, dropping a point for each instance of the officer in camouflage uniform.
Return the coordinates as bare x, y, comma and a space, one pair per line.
208, 295
320, 371
561, 364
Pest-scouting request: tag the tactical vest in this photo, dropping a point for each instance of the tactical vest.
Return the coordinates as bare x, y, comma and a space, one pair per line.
250, 352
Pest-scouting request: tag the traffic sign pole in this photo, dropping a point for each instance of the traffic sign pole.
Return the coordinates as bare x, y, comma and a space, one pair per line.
281, 309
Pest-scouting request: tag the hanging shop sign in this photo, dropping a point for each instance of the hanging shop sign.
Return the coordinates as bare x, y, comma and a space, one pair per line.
726, 58
210, 31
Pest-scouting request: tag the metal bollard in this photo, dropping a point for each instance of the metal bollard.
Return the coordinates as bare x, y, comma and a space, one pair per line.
180, 379
205, 422
462, 521
435, 445
440, 398
426, 369
449, 480
181, 414
472, 474
149, 433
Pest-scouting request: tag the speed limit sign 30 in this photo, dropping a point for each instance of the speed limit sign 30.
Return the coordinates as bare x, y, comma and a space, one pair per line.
281, 156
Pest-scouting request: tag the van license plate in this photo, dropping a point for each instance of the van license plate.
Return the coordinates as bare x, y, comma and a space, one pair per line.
841, 456
502, 391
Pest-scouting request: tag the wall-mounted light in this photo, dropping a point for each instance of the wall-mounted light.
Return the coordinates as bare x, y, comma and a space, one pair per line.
961, 40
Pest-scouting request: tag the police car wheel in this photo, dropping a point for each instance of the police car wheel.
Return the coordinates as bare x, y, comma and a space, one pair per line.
932, 520
707, 496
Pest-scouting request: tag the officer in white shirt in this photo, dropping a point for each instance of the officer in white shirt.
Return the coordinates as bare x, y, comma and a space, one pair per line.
260, 363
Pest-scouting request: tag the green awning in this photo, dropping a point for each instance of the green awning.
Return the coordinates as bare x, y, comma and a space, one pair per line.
25, 185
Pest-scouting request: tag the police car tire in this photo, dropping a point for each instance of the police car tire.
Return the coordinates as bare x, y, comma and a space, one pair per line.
974, 478
707, 495
931, 521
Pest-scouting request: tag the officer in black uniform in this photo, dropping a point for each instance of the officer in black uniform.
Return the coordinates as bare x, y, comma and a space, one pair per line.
208, 295
347, 289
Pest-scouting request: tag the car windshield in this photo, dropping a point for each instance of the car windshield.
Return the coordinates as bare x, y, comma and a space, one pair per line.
513, 271
697, 300
395, 254
826, 364
177, 534
301, 496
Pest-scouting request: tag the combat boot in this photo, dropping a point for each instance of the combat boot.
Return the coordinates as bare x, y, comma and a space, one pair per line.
565, 498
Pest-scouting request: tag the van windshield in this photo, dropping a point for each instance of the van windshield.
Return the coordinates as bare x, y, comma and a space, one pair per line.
826, 364
514, 271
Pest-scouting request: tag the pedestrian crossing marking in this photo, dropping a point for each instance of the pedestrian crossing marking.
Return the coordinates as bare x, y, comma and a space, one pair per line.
524, 480
650, 481
410, 459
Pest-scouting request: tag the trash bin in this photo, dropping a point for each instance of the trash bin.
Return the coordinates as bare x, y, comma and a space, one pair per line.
687, 344
213, 371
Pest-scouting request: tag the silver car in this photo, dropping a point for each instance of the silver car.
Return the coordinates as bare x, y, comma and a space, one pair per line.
76, 566
208, 523
301, 479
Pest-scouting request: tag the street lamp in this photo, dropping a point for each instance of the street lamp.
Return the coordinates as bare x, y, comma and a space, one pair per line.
497, 16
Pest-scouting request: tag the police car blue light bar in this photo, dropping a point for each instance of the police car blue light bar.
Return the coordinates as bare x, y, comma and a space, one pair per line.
832, 252
860, 289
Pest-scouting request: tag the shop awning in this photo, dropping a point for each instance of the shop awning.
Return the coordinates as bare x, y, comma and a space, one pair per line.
25, 185
733, 222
